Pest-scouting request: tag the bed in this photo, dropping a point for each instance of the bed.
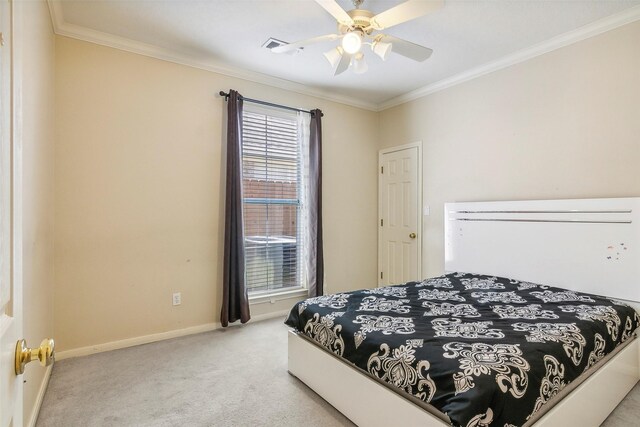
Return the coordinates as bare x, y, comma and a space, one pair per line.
497, 341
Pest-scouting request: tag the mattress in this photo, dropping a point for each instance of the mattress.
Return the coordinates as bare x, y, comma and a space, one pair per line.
482, 350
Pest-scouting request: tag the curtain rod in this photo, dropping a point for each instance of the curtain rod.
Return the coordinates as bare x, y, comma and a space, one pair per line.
270, 104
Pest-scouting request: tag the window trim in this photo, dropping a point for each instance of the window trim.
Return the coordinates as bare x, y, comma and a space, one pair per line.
262, 296
266, 296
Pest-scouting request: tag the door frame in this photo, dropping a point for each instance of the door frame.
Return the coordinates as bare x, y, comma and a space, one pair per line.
15, 208
17, 9
381, 153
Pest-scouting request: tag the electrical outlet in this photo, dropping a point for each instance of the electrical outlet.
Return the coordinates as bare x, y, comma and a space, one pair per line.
177, 298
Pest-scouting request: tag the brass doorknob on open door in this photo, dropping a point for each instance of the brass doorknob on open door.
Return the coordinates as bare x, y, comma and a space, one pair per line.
45, 354
412, 235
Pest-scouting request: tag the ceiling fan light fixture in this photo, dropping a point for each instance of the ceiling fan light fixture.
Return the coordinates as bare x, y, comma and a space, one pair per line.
382, 49
352, 42
334, 55
358, 27
359, 64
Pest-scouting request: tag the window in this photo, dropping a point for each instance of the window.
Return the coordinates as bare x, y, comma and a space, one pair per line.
273, 193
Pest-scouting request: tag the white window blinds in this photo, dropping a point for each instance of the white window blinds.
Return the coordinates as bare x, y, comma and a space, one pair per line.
272, 187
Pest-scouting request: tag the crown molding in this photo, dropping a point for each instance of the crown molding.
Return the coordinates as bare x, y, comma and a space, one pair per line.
598, 27
590, 30
62, 28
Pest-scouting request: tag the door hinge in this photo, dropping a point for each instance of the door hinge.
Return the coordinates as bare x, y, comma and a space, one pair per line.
381, 222
381, 274
381, 169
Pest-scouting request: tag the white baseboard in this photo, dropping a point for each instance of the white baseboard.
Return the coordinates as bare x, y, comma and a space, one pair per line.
145, 339
40, 397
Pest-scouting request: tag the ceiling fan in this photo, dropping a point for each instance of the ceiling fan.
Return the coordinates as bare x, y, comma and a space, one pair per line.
358, 27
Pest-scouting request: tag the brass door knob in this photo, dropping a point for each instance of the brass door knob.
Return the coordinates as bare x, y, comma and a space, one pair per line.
45, 354
412, 235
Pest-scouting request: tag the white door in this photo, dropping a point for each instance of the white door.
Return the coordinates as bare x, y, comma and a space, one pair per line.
400, 224
10, 291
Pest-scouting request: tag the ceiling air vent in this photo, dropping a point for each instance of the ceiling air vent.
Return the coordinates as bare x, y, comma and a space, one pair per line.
271, 43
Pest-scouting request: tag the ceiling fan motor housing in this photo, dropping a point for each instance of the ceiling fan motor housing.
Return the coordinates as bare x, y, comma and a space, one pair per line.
361, 22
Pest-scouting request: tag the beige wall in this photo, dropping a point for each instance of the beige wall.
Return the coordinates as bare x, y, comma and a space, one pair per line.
562, 125
37, 52
139, 198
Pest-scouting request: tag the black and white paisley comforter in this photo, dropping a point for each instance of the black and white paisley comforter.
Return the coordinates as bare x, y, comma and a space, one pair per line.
483, 350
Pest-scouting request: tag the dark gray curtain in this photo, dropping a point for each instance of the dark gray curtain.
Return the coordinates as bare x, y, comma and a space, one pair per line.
316, 257
235, 302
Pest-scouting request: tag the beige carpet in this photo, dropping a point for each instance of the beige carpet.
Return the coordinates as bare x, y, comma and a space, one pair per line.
233, 377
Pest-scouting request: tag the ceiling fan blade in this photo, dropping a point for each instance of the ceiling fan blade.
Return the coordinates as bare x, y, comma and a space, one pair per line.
336, 11
297, 45
343, 65
408, 49
410, 9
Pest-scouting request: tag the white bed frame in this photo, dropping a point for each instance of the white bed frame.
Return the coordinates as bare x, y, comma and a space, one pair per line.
575, 244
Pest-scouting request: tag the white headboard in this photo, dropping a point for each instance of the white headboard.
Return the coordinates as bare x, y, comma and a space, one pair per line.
588, 245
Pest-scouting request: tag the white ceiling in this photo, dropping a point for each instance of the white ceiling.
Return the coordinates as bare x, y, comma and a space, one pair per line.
463, 35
